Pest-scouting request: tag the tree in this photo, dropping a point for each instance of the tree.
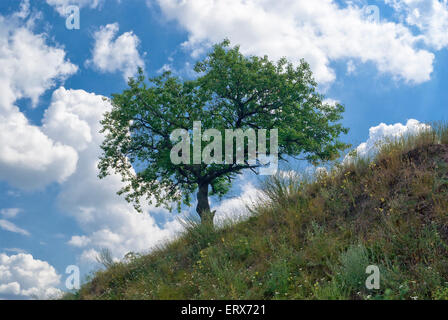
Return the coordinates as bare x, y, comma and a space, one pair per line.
231, 91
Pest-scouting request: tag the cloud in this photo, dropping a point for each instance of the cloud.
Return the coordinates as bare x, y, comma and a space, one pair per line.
61, 5
331, 102
29, 65
10, 212
382, 132
9, 226
15, 250
90, 255
429, 16
107, 220
319, 31
79, 241
351, 68
28, 158
22, 276
236, 207
112, 54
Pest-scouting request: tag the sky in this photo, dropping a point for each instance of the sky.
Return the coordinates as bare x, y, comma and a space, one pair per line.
385, 61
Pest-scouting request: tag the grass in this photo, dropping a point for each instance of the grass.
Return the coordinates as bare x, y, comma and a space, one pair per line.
312, 238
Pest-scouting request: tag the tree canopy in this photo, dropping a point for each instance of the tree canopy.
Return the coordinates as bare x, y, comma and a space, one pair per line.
231, 91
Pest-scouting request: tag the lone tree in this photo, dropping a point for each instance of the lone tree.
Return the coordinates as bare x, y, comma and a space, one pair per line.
231, 91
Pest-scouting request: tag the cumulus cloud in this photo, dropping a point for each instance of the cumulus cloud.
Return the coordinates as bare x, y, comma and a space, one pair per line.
112, 53
15, 250
106, 218
61, 5
28, 158
9, 226
429, 16
383, 132
319, 31
29, 65
331, 102
10, 212
22, 276
33, 156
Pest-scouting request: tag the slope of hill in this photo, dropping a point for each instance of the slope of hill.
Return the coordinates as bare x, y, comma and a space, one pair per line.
313, 239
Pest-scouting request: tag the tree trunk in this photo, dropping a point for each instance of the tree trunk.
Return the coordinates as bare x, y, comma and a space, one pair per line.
203, 207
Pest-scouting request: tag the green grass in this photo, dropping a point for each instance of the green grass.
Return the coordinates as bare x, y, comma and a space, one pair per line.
312, 238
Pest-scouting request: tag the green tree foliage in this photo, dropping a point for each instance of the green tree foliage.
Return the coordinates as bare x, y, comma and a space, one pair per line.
231, 91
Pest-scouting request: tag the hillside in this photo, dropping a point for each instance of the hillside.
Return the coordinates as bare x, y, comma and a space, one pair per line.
313, 238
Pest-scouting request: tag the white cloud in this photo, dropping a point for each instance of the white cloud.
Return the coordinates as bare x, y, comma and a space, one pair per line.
24, 10
23, 276
351, 68
112, 54
10, 212
331, 102
9, 226
28, 158
79, 241
384, 132
61, 5
236, 207
89, 256
429, 16
319, 31
29, 65
166, 67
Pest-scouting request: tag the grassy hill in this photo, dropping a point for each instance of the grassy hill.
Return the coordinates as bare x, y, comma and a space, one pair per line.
313, 238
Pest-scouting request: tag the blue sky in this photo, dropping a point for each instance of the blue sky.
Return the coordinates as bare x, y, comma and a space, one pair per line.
54, 212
